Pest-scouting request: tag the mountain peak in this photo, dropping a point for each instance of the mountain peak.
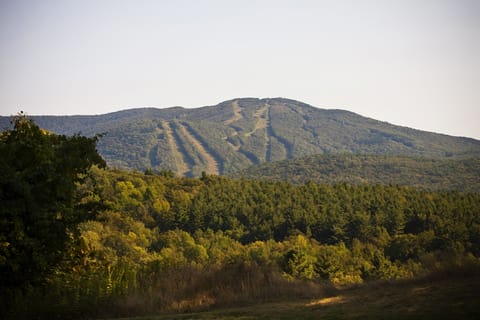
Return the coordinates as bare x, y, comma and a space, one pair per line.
241, 132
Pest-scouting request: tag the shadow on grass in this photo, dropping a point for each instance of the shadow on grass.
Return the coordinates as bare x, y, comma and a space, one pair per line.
442, 294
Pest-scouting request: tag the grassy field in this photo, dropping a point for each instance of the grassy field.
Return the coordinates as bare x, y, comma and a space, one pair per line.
442, 296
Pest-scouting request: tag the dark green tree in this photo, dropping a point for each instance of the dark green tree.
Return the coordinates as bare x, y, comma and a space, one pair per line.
39, 172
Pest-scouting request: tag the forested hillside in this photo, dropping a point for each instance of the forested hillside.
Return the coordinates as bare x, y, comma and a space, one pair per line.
78, 240
159, 243
236, 134
430, 174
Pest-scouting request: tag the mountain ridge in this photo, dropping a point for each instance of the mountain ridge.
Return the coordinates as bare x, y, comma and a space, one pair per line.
238, 133
144, 110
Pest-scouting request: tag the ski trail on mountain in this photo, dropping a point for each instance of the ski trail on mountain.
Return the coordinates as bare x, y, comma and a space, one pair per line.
234, 147
237, 114
280, 142
261, 121
180, 164
210, 162
268, 139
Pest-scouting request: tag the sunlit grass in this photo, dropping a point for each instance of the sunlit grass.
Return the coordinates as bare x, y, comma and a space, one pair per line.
435, 297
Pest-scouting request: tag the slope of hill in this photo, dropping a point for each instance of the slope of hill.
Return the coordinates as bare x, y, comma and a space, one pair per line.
435, 174
239, 133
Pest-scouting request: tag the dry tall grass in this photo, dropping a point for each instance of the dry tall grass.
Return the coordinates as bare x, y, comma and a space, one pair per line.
194, 289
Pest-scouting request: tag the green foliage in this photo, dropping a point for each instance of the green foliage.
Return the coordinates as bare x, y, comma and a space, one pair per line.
243, 132
342, 233
435, 174
154, 242
40, 208
39, 172
301, 259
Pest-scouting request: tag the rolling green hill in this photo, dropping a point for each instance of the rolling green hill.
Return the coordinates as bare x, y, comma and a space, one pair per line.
437, 174
236, 134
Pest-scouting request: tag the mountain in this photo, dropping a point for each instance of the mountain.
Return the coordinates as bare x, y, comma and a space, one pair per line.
236, 134
432, 174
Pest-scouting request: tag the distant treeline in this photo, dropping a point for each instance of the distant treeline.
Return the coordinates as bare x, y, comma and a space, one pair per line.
462, 174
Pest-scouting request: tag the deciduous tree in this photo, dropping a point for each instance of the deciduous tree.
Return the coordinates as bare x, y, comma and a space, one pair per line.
38, 175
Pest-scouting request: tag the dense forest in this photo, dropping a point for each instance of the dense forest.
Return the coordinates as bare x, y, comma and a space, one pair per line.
78, 240
461, 174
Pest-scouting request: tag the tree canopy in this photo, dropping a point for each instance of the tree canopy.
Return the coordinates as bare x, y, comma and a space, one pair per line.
78, 241
38, 176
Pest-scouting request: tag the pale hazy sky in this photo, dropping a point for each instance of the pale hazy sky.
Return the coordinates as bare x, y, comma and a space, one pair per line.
409, 62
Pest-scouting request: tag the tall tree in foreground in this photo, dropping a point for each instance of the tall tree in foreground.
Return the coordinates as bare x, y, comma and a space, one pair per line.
38, 175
